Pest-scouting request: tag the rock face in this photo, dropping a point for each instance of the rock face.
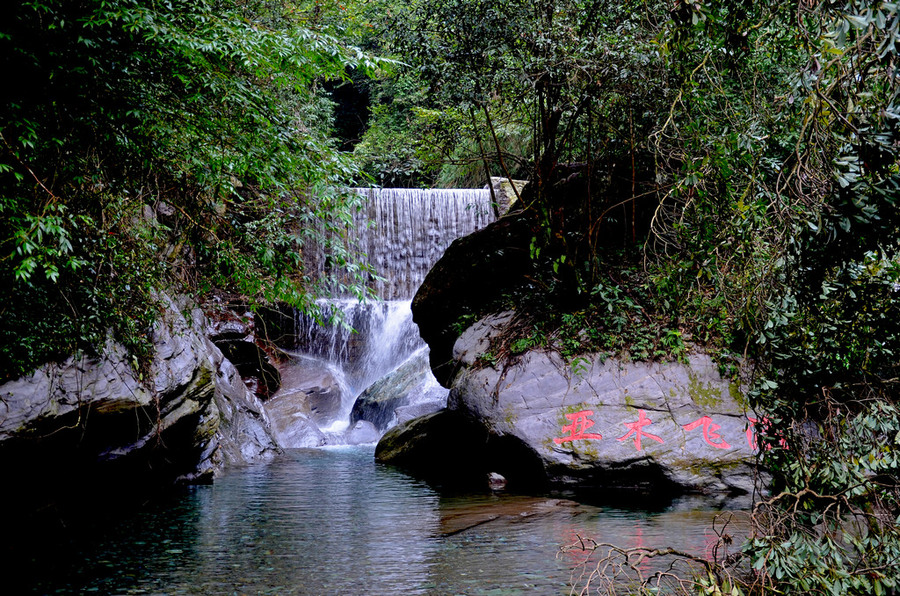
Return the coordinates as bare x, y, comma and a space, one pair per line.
233, 331
614, 424
245, 432
97, 421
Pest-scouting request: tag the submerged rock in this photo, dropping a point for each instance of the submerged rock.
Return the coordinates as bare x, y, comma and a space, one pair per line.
650, 426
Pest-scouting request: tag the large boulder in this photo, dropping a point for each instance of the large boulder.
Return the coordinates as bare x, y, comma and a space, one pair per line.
610, 423
513, 259
475, 272
454, 449
311, 397
99, 423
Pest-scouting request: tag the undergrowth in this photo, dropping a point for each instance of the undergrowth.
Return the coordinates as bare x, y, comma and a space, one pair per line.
626, 315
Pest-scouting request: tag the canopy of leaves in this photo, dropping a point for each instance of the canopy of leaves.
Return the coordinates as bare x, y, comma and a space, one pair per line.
146, 144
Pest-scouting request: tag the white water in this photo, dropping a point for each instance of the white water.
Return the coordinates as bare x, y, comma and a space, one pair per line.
376, 338
401, 233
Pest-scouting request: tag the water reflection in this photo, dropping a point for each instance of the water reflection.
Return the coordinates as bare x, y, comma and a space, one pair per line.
334, 522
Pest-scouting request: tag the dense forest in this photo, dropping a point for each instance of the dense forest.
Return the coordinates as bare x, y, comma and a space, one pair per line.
734, 165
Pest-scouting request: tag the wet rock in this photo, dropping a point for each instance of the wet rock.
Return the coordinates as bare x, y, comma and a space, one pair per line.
444, 447
291, 423
311, 397
407, 413
454, 449
362, 432
245, 433
410, 382
458, 517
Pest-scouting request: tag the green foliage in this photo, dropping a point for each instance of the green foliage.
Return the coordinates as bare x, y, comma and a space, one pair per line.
394, 150
626, 319
533, 83
832, 530
764, 137
155, 147
817, 305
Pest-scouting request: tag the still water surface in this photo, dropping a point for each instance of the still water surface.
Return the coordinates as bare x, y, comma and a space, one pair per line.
334, 522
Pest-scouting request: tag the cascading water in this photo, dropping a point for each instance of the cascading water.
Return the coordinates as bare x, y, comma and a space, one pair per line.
400, 233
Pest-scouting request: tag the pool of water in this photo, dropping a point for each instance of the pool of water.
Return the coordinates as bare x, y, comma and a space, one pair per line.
335, 522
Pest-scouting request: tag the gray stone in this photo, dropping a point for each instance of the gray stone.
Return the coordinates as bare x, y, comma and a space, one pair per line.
184, 417
506, 193
612, 422
291, 424
423, 408
226, 324
453, 448
409, 383
311, 397
245, 433
363, 432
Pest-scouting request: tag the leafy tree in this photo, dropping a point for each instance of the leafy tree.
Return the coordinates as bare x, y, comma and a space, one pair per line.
528, 88
152, 147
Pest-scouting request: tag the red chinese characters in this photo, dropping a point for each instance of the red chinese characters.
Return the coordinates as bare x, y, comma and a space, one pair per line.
636, 429
580, 423
710, 435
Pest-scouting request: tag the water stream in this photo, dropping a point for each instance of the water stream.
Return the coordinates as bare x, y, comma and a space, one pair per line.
332, 521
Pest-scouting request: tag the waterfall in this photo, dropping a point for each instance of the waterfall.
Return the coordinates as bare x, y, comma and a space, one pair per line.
400, 233
375, 338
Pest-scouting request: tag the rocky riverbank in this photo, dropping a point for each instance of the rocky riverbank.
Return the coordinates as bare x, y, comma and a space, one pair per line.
90, 424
